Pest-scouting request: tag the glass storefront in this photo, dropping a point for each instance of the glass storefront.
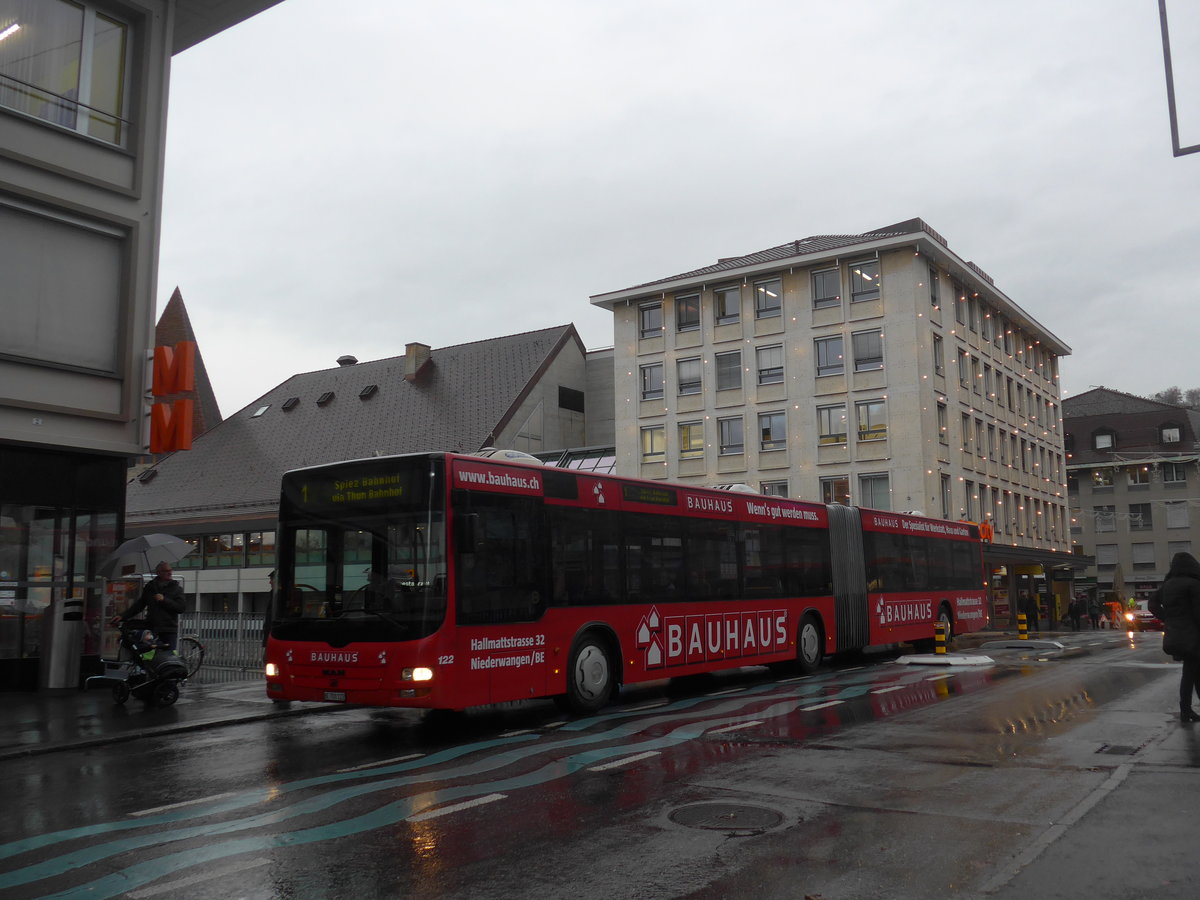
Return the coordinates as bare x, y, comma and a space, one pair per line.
59, 518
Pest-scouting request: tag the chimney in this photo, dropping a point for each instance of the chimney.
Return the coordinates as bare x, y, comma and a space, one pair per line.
415, 357
347, 360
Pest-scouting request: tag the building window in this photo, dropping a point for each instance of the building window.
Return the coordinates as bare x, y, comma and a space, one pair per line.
868, 350
960, 304
768, 298
772, 427
732, 440
1140, 517
1137, 475
1102, 478
964, 369
770, 364
1174, 547
831, 424
985, 327
773, 488
946, 496
827, 288
727, 305
1177, 514
872, 420
729, 371
943, 424
650, 321
965, 425
654, 443
224, 551
691, 440
1171, 434
939, 356
1143, 556
652, 381
1173, 473
969, 500
66, 64
1106, 556
874, 492
976, 377
688, 371
687, 313
1104, 440
830, 356
864, 280
934, 287
260, 548
836, 489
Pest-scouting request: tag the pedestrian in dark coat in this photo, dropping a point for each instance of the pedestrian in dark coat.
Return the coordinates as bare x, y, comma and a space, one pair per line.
1181, 619
163, 600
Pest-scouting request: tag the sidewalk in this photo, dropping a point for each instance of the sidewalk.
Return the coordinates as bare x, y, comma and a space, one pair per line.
36, 723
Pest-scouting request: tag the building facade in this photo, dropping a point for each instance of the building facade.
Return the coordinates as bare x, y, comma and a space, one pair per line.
876, 369
83, 104
1133, 476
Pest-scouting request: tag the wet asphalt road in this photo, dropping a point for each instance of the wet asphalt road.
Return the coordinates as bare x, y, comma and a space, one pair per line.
881, 780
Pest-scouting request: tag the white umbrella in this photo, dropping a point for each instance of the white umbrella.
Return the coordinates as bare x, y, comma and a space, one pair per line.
142, 554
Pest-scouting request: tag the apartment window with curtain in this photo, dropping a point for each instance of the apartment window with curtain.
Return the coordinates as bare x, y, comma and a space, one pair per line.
1105, 518
66, 63
1173, 473
654, 443
1140, 517
729, 370
1143, 556
868, 350
691, 440
687, 313
874, 492
688, 372
770, 364
1177, 514
768, 298
829, 354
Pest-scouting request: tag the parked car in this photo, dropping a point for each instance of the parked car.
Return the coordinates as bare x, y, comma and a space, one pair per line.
1141, 619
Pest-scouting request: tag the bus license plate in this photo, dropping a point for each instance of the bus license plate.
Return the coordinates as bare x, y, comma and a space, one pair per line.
336, 696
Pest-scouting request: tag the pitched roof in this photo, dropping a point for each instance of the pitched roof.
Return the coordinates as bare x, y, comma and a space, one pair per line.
459, 400
1102, 401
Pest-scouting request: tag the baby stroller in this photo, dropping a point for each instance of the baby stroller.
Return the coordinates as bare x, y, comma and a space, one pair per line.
145, 668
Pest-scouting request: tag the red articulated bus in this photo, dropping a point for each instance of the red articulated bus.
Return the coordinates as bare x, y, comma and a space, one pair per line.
443, 581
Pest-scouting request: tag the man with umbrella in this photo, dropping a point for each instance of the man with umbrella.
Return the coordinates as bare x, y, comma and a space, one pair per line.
163, 600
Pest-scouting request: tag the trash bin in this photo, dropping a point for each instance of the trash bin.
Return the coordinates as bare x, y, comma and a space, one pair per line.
62, 644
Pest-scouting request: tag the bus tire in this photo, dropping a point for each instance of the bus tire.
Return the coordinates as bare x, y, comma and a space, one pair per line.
929, 645
809, 643
591, 676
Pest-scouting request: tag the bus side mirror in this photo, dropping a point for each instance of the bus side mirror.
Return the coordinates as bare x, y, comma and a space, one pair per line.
464, 532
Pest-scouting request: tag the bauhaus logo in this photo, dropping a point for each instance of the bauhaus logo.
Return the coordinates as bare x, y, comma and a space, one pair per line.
903, 612
668, 641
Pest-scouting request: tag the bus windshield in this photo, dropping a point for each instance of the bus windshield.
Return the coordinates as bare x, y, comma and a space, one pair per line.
360, 571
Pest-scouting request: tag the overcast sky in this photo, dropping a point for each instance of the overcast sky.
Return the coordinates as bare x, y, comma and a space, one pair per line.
352, 177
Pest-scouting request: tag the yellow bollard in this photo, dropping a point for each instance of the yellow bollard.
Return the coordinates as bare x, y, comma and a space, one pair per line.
939, 638
1022, 627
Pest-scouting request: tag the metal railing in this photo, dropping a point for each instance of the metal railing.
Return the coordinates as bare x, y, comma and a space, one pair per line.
233, 649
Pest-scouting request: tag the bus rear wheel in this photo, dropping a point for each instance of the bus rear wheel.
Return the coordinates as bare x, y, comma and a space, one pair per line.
590, 675
809, 643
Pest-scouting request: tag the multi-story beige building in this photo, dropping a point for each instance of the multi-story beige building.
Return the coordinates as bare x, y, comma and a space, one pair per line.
877, 369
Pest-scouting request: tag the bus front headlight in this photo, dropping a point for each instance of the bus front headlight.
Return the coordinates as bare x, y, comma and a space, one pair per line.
420, 673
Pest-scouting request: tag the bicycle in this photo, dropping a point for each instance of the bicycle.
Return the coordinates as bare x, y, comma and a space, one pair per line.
191, 651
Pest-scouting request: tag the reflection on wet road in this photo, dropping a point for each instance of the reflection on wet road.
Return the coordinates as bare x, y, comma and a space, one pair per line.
657, 742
